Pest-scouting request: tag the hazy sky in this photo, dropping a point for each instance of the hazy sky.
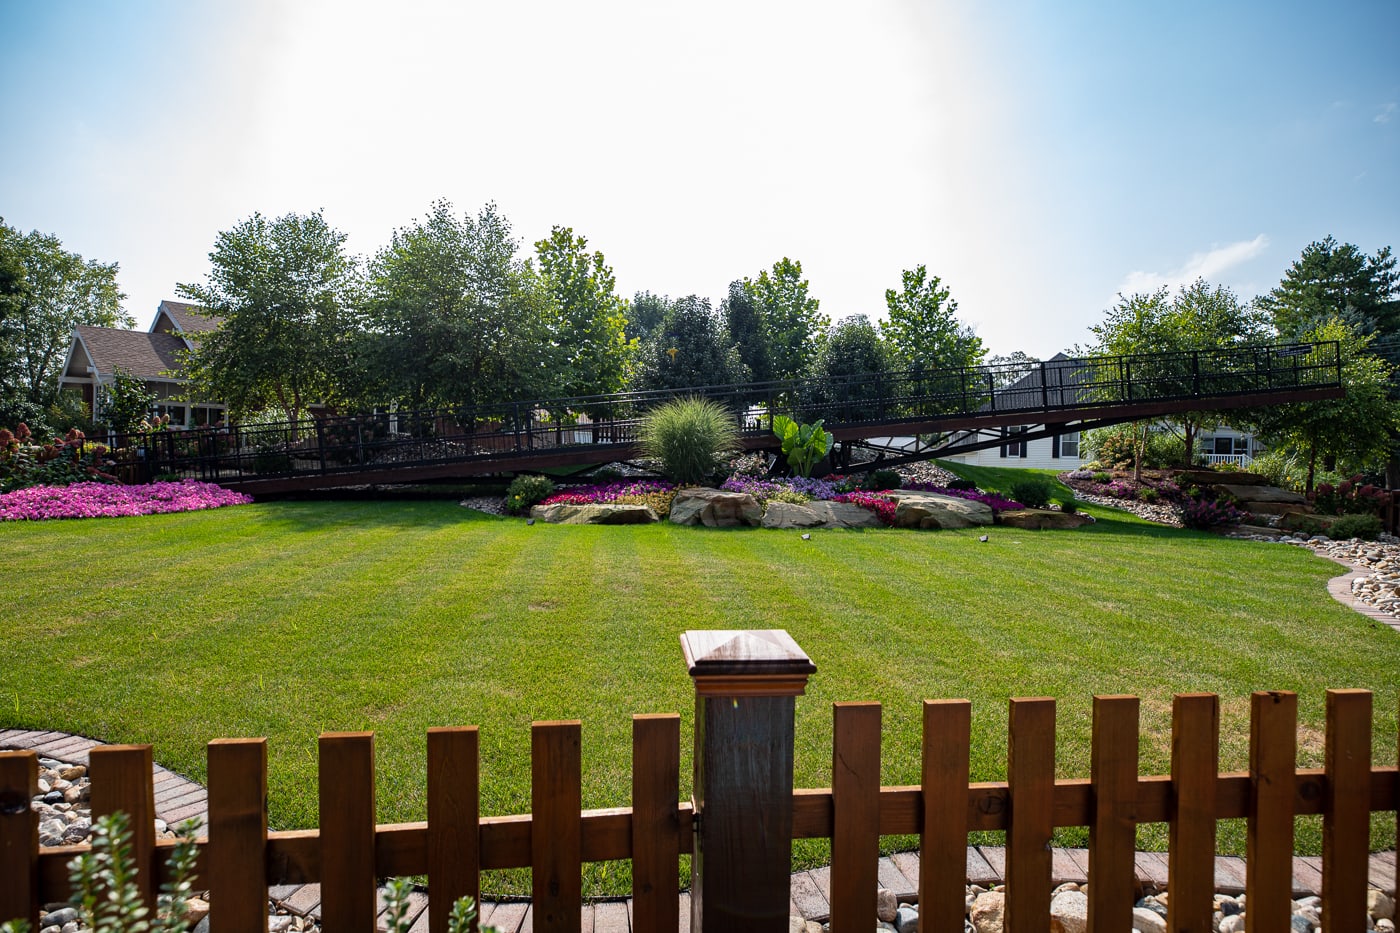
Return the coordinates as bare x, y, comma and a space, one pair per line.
1039, 157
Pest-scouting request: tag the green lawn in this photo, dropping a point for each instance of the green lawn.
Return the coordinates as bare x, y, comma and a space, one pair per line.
286, 619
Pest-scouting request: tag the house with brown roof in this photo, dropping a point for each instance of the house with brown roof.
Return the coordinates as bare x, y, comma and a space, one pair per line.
152, 356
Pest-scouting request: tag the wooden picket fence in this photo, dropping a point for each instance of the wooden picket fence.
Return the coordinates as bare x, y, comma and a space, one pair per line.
240, 858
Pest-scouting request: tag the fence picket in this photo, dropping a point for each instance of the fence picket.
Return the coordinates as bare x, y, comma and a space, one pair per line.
1191, 840
346, 777
855, 796
1031, 775
1273, 756
1346, 823
237, 850
19, 838
943, 831
454, 820
656, 769
122, 779
555, 837
1113, 832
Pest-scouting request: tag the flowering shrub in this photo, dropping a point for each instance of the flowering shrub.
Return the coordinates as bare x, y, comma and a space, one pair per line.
527, 490
103, 500
995, 502
1207, 513
1120, 489
64, 460
656, 494
882, 505
1349, 497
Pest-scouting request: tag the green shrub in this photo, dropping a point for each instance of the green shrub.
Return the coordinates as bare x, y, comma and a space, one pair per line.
803, 444
1365, 527
690, 437
1032, 492
882, 479
1069, 506
1104, 477
964, 484
103, 880
527, 490
1281, 468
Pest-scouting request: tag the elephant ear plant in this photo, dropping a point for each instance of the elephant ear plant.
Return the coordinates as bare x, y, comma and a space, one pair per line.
803, 444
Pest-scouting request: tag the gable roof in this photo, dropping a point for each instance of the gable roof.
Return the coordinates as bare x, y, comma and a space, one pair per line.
143, 355
186, 318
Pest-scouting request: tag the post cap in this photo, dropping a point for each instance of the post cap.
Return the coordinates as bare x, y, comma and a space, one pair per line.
746, 663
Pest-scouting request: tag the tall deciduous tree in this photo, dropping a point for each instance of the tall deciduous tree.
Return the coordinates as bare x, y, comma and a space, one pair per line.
284, 290
789, 319
1358, 428
45, 292
922, 331
454, 317
691, 348
588, 328
846, 373
1332, 279
745, 319
645, 315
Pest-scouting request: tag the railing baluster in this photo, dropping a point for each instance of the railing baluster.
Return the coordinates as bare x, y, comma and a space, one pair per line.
19, 838
1346, 820
454, 818
1273, 741
1191, 839
556, 848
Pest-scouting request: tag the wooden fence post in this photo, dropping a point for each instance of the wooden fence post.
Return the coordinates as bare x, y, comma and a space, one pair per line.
122, 779
1191, 846
556, 833
346, 787
1346, 819
454, 821
19, 838
237, 878
943, 832
1030, 772
656, 766
746, 685
855, 800
1113, 832
1273, 763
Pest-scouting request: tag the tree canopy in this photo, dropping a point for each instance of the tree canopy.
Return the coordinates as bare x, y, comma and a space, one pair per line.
922, 330
588, 321
789, 321
1332, 279
690, 348
852, 348
284, 290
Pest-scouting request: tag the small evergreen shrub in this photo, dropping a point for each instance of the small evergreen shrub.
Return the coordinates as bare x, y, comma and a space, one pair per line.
1069, 506
882, 479
1361, 526
690, 437
527, 490
1031, 492
960, 483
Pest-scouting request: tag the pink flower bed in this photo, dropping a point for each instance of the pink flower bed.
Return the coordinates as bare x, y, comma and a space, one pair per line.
105, 500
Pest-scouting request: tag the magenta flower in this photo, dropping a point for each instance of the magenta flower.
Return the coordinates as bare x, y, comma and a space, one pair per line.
105, 500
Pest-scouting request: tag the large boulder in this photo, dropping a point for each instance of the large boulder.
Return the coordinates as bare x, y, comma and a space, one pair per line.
819, 514
1039, 519
915, 509
606, 513
715, 508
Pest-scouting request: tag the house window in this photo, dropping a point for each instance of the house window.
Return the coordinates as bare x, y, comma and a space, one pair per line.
203, 415
176, 413
1224, 446
1068, 445
1015, 448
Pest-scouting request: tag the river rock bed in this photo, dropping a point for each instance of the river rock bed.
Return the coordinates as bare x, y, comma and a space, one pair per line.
985, 911
1379, 589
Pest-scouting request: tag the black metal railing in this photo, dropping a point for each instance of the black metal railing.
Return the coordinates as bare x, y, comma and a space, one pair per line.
332, 444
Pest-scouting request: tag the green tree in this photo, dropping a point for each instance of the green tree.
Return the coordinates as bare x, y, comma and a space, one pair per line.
744, 317
588, 329
1336, 280
690, 349
454, 318
789, 320
645, 315
124, 404
1011, 367
1358, 428
922, 331
45, 292
847, 373
285, 290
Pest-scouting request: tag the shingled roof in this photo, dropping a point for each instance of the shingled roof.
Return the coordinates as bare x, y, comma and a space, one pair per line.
188, 318
143, 355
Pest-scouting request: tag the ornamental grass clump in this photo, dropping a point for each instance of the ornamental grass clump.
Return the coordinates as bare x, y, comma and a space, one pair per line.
690, 437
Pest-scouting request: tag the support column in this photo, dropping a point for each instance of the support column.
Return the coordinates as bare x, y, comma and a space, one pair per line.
746, 685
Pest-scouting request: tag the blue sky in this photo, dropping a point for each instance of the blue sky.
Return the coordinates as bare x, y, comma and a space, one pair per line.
1039, 157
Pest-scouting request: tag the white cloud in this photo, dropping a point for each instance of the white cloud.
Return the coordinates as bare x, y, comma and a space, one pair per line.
1210, 265
1387, 113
